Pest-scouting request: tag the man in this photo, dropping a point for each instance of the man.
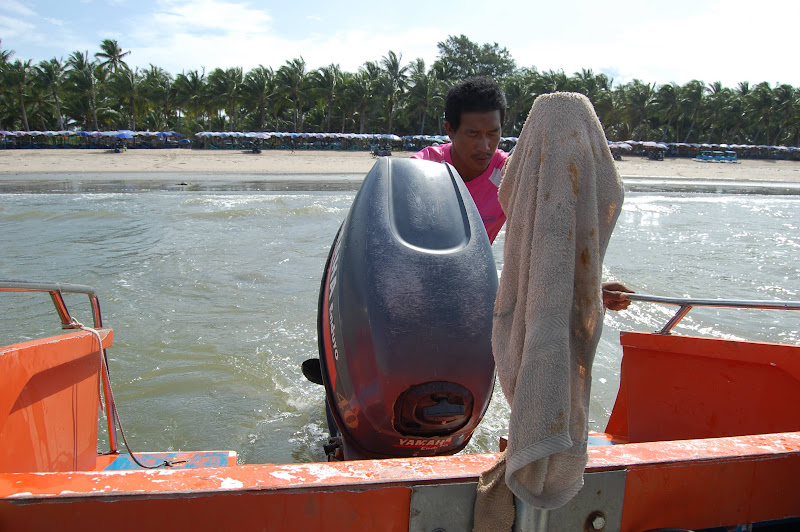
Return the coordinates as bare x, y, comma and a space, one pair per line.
474, 112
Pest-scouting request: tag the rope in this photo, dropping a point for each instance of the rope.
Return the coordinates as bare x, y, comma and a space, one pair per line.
75, 324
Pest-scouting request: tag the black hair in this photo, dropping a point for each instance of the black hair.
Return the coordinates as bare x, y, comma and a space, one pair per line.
476, 94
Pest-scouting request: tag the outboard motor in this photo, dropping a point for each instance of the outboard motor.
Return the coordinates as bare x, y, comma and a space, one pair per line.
405, 316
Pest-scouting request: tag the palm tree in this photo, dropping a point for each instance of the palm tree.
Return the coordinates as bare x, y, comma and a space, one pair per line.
396, 81
445, 71
225, 86
638, 99
127, 85
293, 82
786, 107
112, 55
50, 76
358, 93
761, 104
596, 87
158, 88
692, 97
258, 88
83, 78
18, 77
5, 57
667, 102
346, 103
519, 95
550, 81
730, 118
39, 103
717, 101
735, 113
191, 92
424, 93
325, 80
586, 83
792, 134
371, 78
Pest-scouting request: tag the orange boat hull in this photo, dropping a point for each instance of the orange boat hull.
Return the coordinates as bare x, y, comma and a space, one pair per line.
695, 448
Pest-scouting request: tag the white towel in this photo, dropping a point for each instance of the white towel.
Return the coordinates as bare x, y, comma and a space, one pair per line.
562, 194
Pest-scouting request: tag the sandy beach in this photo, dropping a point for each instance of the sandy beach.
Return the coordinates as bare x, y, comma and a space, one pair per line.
218, 165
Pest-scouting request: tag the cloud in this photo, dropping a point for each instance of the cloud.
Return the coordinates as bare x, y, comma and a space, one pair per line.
11, 28
13, 6
183, 35
227, 18
726, 41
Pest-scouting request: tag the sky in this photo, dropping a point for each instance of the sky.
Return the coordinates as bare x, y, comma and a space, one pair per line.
730, 41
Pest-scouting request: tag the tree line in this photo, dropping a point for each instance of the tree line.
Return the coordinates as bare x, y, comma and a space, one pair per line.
101, 92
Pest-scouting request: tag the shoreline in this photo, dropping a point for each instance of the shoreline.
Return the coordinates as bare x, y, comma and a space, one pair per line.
219, 170
315, 183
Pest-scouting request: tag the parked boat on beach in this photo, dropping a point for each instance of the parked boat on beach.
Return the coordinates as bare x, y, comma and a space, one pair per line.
727, 156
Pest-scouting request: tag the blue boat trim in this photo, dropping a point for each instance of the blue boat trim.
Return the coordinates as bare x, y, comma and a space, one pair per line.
186, 460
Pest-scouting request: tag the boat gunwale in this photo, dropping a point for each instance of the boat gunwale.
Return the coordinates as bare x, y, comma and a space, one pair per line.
372, 474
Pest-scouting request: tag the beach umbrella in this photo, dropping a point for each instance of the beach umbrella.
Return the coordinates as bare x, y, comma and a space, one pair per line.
124, 135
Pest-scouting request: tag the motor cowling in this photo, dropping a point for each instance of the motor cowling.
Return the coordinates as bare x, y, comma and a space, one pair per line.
405, 314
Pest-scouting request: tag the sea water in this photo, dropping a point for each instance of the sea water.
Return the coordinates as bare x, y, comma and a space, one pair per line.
213, 299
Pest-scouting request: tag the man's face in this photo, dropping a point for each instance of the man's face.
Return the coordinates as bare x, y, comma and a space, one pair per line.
474, 142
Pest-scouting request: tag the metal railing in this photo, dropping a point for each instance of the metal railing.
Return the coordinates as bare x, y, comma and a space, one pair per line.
686, 304
57, 291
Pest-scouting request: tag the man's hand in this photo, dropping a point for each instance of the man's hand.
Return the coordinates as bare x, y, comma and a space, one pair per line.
614, 297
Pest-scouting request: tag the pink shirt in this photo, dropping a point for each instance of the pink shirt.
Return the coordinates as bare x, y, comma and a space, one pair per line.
483, 188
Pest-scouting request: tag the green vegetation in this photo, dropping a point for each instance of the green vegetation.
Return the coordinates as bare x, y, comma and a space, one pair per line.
101, 92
